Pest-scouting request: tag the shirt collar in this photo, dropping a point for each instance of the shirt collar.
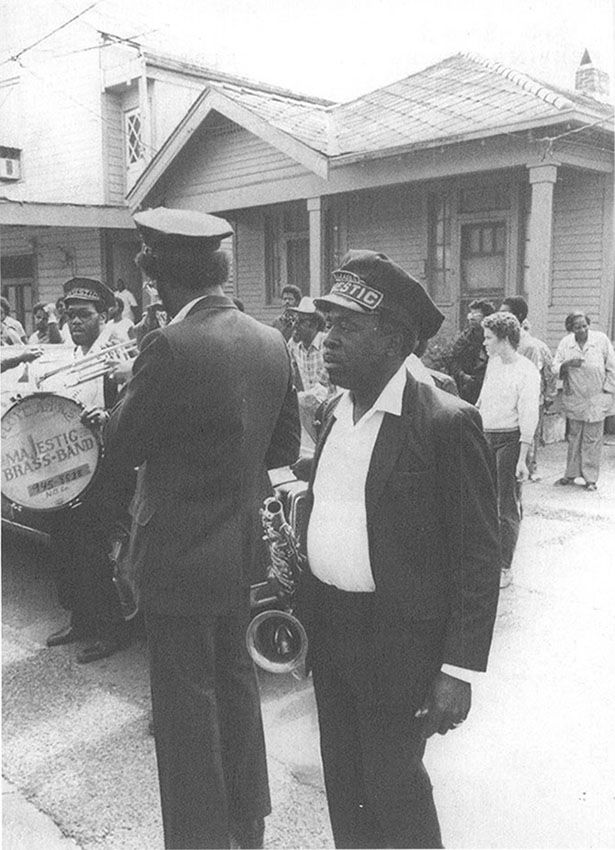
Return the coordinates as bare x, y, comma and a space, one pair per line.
186, 309
315, 344
390, 399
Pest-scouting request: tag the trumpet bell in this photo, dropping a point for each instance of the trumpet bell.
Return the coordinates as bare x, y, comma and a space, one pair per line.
276, 641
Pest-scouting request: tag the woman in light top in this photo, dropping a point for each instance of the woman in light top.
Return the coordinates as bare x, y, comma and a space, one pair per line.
508, 404
585, 362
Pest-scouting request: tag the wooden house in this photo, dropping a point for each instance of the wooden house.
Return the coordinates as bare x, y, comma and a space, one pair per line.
477, 179
81, 115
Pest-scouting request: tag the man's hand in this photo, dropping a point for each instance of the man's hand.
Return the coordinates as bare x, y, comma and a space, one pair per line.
573, 363
447, 706
522, 473
96, 416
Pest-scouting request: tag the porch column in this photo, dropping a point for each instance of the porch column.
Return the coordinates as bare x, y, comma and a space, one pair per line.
314, 206
542, 179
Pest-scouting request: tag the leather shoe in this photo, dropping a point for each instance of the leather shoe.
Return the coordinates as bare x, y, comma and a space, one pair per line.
97, 650
249, 833
69, 634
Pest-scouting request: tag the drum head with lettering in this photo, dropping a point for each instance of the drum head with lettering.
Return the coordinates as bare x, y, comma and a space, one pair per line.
48, 456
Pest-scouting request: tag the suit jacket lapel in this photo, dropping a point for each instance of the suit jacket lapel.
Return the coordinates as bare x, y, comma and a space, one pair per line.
394, 434
389, 444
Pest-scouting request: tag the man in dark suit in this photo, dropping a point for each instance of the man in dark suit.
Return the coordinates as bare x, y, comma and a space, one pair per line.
209, 408
402, 543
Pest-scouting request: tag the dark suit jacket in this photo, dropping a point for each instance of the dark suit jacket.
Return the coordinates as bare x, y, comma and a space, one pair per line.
209, 408
433, 536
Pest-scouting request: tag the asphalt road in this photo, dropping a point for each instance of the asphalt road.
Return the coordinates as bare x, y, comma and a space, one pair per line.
533, 766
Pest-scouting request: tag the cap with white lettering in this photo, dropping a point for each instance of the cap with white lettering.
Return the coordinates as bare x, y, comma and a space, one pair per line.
369, 282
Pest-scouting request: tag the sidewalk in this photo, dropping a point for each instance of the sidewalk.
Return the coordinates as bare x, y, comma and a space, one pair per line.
24, 827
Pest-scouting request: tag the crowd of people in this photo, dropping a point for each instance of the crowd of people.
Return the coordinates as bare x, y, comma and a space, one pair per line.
414, 506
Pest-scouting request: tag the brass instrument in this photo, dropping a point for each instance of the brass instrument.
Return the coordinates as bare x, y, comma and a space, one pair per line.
276, 639
93, 366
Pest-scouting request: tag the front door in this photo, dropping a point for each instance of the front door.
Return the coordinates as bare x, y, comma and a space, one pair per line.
483, 263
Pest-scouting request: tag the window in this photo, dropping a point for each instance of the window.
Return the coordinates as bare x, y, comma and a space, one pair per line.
134, 144
439, 239
287, 249
483, 263
17, 282
10, 164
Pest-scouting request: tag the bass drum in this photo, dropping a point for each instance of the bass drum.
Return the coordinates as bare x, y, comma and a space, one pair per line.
49, 457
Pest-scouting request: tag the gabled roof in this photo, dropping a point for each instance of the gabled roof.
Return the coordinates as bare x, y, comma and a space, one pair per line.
460, 98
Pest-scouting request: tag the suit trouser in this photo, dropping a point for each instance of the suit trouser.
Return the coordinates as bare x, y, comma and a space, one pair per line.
505, 448
210, 745
584, 449
378, 791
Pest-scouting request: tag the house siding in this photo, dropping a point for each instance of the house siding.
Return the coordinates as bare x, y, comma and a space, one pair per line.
394, 221
578, 251
114, 156
61, 253
250, 271
227, 157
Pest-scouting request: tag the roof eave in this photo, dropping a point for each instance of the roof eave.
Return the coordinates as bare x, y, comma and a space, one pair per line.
46, 214
571, 116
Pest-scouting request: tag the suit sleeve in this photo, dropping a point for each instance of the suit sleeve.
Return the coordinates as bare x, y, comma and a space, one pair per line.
286, 438
467, 492
145, 412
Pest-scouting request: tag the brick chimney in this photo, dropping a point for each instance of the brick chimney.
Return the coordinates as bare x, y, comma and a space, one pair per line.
591, 80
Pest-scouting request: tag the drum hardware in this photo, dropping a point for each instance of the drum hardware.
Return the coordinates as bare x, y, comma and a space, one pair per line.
276, 639
93, 366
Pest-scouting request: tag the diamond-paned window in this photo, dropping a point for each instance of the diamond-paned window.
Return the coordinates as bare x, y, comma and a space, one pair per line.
134, 145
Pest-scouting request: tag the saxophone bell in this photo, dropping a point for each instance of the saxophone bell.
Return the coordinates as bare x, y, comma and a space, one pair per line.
277, 641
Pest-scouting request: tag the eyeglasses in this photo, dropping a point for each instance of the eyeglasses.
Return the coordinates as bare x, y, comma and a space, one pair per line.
83, 314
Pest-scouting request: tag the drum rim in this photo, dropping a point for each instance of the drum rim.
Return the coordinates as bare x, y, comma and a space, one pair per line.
18, 507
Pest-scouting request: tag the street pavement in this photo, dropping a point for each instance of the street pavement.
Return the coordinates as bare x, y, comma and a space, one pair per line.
532, 767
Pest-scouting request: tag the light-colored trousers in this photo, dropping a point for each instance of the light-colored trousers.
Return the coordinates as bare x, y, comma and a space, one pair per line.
584, 449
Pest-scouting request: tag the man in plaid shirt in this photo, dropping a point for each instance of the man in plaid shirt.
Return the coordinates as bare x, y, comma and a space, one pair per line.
310, 376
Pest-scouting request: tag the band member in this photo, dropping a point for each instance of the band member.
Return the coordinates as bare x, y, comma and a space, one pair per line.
209, 408
80, 535
402, 544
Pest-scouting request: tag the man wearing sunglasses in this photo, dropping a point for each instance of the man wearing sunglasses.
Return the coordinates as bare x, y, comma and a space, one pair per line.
80, 534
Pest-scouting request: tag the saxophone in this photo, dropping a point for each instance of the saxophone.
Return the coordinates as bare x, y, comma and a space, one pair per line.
276, 639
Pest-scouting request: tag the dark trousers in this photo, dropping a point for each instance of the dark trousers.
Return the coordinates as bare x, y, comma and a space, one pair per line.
209, 737
505, 447
84, 573
378, 791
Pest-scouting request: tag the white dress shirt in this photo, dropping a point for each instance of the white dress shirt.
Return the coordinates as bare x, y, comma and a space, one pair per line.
337, 542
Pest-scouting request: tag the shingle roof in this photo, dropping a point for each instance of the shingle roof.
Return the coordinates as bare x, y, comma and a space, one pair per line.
460, 96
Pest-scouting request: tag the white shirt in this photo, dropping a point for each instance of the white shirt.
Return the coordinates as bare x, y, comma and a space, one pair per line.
418, 370
510, 396
127, 297
588, 389
338, 548
337, 542
181, 314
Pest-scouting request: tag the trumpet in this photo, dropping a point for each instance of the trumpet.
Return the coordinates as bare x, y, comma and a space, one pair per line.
93, 366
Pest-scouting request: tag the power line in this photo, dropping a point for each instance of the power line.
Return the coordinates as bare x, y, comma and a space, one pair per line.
16, 56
